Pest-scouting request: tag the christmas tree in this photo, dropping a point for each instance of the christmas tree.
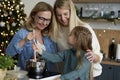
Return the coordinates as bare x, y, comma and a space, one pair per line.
12, 17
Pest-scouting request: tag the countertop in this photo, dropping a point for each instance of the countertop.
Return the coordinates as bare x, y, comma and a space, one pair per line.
110, 62
47, 78
27, 78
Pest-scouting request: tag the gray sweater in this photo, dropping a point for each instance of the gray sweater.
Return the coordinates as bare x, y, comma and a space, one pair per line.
70, 62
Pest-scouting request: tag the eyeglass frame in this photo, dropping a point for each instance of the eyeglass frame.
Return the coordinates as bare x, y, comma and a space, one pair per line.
44, 19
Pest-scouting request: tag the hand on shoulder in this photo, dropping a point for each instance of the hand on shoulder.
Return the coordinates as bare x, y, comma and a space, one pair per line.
91, 56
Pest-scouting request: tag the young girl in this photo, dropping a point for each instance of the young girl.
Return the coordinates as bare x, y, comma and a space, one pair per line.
76, 66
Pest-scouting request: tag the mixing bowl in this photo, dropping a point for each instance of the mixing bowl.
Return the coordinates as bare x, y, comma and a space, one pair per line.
35, 68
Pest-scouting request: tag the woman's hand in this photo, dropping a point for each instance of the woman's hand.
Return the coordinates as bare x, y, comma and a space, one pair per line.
91, 56
29, 36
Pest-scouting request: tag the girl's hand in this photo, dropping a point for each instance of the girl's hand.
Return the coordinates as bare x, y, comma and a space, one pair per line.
91, 56
36, 48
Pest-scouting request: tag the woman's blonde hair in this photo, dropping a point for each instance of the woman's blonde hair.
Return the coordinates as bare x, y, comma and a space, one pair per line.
74, 19
39, 7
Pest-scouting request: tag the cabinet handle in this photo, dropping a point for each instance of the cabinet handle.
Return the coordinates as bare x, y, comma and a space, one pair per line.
110, 68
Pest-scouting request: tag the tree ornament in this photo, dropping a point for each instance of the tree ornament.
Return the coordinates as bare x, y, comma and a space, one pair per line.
2, 16
11, 20
0, 5
2, 24
13, 24
17, 7
11, 33
8, 27
21, 22
5, 14
10, 13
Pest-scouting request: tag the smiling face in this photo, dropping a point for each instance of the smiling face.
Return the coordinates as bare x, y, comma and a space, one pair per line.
42, 19
63, 16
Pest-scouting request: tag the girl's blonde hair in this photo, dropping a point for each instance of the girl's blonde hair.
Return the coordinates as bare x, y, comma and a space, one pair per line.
83, 38
83, 42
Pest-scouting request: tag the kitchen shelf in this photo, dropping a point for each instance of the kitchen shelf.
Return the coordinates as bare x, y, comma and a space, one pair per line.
116, 20
96, 1
110, 62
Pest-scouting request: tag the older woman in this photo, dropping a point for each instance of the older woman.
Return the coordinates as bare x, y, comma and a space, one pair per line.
40, 22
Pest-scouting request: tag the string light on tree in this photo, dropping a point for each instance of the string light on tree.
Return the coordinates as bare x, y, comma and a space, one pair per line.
12, 17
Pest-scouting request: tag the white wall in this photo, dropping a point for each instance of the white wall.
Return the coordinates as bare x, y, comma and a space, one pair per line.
29, 4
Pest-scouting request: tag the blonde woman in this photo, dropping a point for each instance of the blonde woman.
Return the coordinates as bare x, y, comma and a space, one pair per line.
66, 20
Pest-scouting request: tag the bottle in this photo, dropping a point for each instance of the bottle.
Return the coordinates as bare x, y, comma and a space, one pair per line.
102, 11
118, 14
112, 14
81, 12
112, 49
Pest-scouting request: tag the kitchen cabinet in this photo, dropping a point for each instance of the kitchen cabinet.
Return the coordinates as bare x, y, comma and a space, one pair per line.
117, 73
107, 72
96, 1
110, 72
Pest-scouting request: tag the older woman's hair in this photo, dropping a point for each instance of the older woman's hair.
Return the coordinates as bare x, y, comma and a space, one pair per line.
39, 7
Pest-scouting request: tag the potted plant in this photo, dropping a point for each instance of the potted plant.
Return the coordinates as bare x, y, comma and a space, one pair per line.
6, 62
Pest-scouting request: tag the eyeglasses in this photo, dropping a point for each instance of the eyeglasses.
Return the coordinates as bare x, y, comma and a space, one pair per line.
42, 19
